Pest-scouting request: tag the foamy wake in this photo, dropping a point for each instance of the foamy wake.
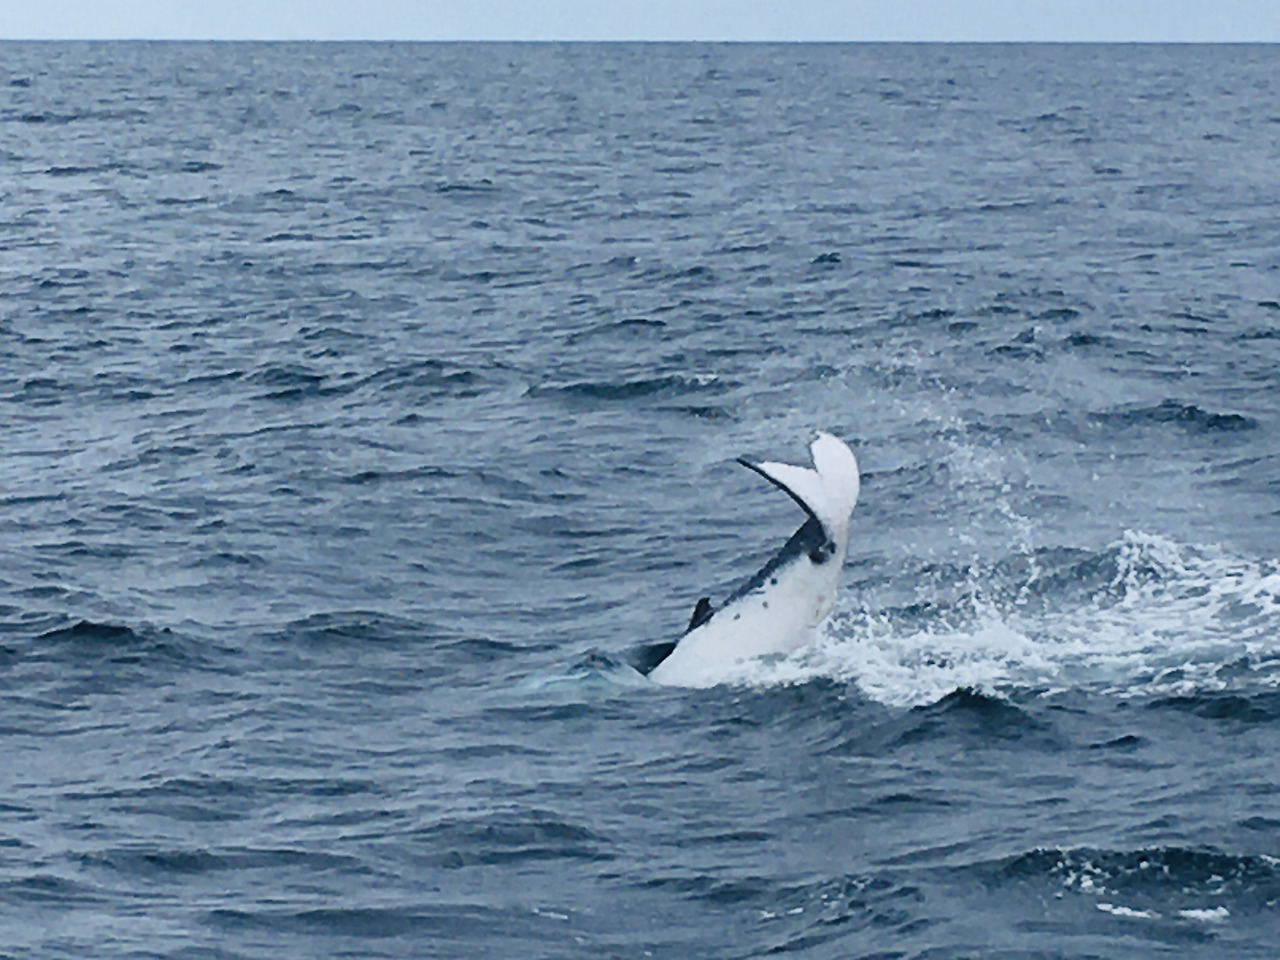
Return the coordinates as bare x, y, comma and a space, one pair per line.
1173, 619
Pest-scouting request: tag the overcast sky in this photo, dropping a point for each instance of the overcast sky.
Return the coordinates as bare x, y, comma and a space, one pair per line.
1047, 20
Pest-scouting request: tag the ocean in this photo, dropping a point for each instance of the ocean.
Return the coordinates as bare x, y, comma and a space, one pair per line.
365, 407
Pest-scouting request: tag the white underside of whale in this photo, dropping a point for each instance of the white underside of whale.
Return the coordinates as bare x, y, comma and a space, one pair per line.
782, 608
778, 619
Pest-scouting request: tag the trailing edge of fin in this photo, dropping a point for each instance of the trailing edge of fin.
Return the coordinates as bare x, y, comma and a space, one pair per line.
826, 493
799, 483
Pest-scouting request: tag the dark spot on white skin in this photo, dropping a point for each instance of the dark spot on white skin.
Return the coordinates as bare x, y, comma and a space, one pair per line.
766, 604
773, 582
737, 616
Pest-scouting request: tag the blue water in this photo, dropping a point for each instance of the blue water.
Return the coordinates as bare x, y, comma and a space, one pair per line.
364, 408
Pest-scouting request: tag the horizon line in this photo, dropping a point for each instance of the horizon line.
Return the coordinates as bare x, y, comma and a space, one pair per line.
651, 40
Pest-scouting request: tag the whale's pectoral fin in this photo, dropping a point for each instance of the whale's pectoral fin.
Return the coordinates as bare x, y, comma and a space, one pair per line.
826, 493
701, 613
801, 484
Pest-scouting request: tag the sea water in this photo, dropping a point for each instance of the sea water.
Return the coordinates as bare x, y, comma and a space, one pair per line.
363, 407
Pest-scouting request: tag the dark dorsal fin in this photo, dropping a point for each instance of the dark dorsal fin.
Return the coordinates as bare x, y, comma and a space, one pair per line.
701, 613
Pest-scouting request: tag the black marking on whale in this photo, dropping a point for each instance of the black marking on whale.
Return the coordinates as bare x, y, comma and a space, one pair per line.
810, 539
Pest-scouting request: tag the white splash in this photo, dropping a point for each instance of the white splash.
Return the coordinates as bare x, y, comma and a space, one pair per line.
1168, 622
1207, 915
1120, 911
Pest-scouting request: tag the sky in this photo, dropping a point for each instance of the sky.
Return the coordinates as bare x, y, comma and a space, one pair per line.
738, 20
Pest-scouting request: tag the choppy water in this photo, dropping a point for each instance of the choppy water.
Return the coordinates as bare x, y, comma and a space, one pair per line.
363, 407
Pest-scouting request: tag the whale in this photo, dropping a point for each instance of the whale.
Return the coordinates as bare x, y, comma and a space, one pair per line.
779, 609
